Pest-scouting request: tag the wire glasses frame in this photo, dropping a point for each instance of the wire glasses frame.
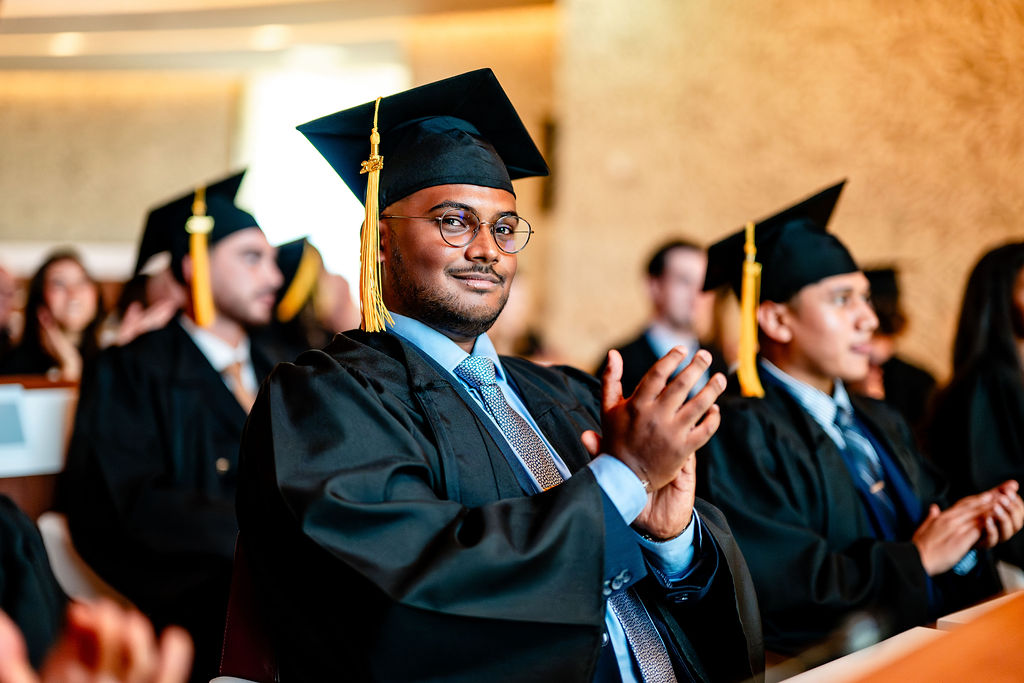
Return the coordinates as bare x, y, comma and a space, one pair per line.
459, 227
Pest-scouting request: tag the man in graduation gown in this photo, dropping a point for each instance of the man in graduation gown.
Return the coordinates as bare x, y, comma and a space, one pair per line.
149, 487
675, 275
832, 505
408, 516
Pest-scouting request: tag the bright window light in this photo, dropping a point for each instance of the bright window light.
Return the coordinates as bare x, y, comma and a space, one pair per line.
290, 188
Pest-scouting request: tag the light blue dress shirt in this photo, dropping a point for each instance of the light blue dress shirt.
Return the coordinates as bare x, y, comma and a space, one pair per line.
671, 560
823, 409
662, 340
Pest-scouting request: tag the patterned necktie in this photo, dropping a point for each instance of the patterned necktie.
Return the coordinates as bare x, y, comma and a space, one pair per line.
866, 462
648, 648
244, 397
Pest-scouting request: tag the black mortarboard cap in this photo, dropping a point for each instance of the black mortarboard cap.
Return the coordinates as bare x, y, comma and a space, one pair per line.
300, 265
883, 282
460, 130
794, 249
289, 256
165, 225
885, 296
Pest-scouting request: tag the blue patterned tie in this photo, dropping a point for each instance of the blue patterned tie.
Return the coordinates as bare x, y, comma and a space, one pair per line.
867, 464
648, 648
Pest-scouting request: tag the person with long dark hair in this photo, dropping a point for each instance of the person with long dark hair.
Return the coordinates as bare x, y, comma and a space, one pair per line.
976, 430
62, 320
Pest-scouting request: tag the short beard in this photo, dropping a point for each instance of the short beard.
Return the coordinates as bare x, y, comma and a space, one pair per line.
440, 311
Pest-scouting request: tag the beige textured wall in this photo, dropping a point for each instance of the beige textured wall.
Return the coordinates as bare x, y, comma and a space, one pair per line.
693, 117
84, 154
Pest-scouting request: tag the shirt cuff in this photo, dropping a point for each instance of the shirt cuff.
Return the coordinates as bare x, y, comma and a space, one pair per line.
622, 487
673, 559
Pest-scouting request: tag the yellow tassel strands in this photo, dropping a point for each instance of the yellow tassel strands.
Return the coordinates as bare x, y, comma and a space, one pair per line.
375, 314
750, 294
199, 226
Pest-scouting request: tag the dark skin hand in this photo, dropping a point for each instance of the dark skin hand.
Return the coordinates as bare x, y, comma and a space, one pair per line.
656, 433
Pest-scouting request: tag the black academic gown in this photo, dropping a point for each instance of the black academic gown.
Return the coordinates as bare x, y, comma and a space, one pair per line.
804, 530
29, 593
976, 436
150, 482
638, 357
390, 537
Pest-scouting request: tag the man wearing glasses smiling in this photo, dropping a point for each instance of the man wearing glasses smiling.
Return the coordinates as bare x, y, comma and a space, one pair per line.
413, 507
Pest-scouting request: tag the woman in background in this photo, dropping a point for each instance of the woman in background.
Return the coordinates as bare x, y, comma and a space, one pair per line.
976, 431
62, 319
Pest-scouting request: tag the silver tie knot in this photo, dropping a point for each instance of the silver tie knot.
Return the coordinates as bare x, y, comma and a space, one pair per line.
477, 370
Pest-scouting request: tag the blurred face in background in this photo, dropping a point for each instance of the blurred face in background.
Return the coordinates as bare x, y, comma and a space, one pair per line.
678, 291
244, 277
70, 295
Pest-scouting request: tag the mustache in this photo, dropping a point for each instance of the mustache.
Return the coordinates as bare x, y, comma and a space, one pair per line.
478, 270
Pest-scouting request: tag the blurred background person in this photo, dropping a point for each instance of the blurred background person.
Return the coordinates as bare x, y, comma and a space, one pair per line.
296, 325
976, 432
675, 280
903, 385
62, 321
149, 486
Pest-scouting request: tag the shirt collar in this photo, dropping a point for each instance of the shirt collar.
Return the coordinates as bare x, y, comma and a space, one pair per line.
663, 339
217, 351
440, 348
821, 406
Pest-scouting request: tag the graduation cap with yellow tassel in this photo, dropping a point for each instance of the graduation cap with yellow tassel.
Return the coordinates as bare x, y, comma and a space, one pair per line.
191, 224
300, 264
772, 260
460, 130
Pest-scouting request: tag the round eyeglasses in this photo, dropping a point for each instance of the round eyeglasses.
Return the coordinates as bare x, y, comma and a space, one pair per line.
458, 228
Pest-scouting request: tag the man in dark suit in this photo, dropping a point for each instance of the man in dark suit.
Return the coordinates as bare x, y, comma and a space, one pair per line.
675, 275
416, 507
833, 506
149, 487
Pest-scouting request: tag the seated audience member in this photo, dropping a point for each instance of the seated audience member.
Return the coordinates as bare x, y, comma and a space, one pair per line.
901, 384
830, 501
295, 325
976, 434
447, 502
675, 275
62, 319
149, 487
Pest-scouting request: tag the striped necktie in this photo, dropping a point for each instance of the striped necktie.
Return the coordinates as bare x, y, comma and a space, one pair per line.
867, 464
648, 648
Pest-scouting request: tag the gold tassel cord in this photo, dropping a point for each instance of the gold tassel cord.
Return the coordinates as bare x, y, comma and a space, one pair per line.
301, 287
199, 226
750, 294
371, 301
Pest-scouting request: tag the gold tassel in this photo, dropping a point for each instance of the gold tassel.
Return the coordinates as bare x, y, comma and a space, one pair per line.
371, 301
750, 294
302, 285
199, 226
